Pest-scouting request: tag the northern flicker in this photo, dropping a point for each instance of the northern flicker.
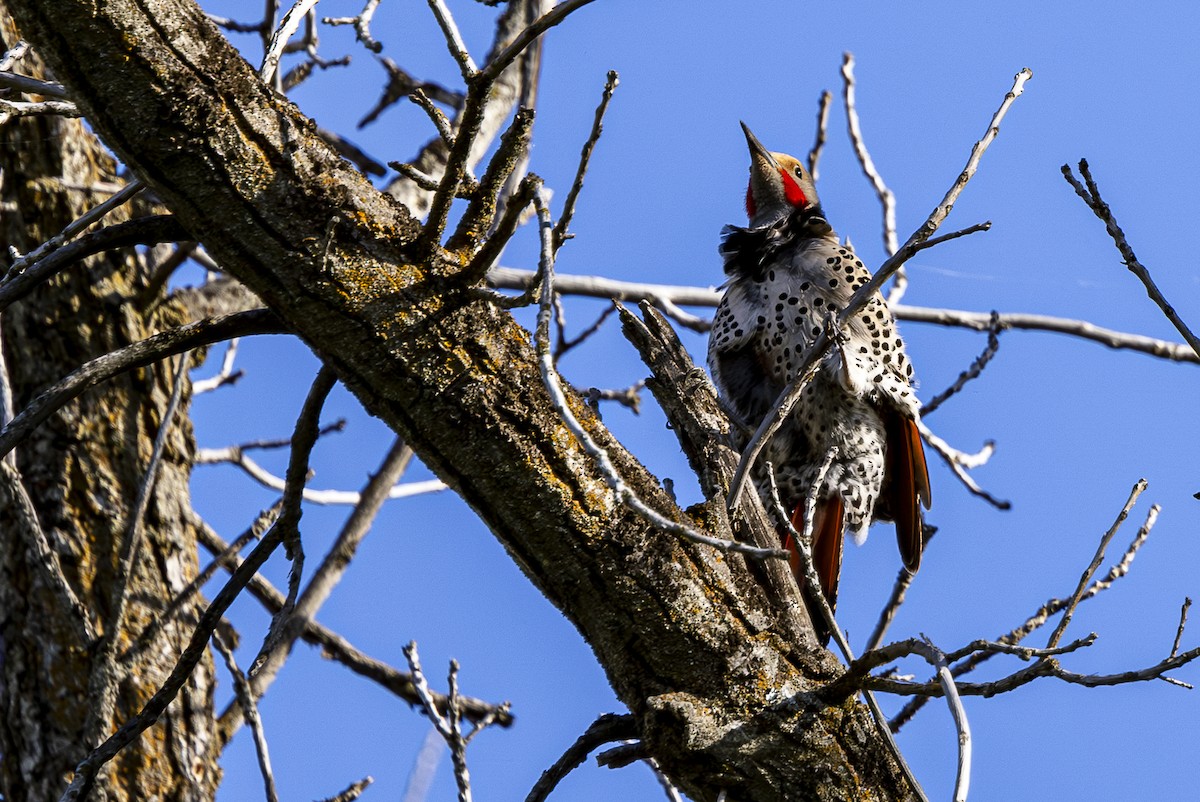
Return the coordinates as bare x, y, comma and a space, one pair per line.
788, 278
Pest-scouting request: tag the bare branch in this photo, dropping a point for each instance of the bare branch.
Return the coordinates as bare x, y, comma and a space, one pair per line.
960, 462
496, 65
887, 199
1084, 580
454, 40
102, 684
564, 221
235, 455
362, 25
73, 229
33, 86
293, 622
972, 372
598, 287
269, 71
814, 155
139, 231
246, 699
1091, 196
1183, 613
1039, 618
335, 647
137, 355
353, 792
608, 728
85, 772
40, 555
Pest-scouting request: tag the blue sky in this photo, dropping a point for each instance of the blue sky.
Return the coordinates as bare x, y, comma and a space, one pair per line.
1076, 424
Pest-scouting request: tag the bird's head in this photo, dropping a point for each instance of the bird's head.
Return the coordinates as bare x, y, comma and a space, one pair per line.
779, 184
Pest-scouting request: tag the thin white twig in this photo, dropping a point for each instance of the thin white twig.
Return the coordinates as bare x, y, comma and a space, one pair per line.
226, 375
960, 462
962, 781
1183, 614
458, 48
887, 198
246, 699
550, 379
269, 71
22, 108
235, 456
599, 287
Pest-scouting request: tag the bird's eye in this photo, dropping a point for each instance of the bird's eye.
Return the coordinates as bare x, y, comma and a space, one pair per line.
799, 171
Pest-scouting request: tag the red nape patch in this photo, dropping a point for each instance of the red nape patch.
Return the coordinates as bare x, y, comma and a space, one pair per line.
792, 191
751, 208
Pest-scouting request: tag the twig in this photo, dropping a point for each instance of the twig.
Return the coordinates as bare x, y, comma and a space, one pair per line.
960, 462
608, 728
491, 71
288, 26
41, 556
226, 375
564, 220
448, 725
598, 287
140, 231
362, 25
887, 199
246, 699
673, 794
73, 229
962, 780
103, 680
1091, 196
235, 456
335, 647
225, 557
1084, 580
791, 394
454, 40
1039, 618
295, 620
33, 86
137, 355
44, 108
85, 772
972, 372
814, 155
602, 461
1183, 613
352, 792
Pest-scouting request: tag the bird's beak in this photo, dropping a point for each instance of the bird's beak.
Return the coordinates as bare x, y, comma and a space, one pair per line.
757, 151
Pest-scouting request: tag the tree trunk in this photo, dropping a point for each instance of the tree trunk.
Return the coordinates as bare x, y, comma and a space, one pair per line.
717, 673
82, 470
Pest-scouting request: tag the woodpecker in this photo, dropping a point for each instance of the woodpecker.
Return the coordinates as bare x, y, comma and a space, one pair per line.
788, 278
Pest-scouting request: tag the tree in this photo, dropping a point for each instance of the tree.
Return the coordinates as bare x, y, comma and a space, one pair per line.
700, 644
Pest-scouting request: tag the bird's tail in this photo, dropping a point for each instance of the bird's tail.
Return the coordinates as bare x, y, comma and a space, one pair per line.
827, 533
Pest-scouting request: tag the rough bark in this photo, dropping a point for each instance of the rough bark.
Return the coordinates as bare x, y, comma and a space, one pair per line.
711, 666
82, 470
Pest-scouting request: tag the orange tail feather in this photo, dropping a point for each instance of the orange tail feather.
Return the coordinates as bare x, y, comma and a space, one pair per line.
827, 533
